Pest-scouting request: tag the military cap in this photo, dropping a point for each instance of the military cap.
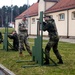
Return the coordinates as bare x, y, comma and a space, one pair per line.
47, 16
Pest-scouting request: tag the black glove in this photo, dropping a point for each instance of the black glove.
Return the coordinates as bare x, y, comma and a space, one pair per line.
44, 23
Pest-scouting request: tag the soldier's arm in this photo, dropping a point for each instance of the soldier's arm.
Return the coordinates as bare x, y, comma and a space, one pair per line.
45, 26
10, 36
23, 28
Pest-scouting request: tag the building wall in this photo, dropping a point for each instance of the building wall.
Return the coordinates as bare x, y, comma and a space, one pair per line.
71, 23
49, 4
41, 6
61, 25
29, 25
67, 26
17, 21
33, 25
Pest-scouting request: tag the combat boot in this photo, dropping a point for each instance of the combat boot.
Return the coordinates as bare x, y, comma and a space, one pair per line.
30, 54
20, 54
60, 61
46, 62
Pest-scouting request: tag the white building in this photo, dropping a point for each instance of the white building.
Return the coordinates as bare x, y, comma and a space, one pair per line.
63, 11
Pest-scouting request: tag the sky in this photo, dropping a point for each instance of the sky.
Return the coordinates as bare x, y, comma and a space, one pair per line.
16, 2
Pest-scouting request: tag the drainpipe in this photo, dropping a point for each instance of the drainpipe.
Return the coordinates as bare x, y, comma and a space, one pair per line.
30, 26
67, 23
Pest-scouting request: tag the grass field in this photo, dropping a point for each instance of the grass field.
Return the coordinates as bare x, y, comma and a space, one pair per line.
2, 30
67, 50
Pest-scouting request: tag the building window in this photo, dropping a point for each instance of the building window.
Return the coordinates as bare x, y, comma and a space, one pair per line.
62, 17
73, 15
33, 20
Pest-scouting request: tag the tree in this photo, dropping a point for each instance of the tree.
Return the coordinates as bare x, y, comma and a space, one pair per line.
13, 11
22, 8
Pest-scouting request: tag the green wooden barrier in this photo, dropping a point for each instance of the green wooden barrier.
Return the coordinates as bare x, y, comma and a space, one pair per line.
37, 50
5, 41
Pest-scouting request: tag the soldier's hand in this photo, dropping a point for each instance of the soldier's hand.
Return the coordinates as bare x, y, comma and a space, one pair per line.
44, 23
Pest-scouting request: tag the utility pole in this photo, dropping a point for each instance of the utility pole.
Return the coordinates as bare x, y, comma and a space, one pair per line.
2, 18
5, 43
11, 13
27, 13
27, 6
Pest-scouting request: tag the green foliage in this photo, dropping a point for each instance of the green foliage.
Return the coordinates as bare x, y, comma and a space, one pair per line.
67, 50
15, 12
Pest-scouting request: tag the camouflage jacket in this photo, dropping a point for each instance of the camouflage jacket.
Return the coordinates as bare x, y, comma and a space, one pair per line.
50, 26
23, 27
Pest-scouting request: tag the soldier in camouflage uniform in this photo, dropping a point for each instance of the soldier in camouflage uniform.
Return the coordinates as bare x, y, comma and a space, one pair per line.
49, 25
14, 36
23, 36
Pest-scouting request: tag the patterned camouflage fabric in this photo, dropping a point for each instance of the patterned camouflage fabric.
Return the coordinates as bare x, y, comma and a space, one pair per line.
23, 37
50, 26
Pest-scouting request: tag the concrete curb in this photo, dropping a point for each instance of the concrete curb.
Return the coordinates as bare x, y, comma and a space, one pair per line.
69, 40
4, 69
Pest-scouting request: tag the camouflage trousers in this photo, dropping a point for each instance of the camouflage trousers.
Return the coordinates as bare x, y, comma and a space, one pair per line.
54, 45
23, 40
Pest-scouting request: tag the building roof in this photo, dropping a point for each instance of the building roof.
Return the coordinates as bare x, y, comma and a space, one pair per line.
58, 6
31, 11
62, 5
51, 0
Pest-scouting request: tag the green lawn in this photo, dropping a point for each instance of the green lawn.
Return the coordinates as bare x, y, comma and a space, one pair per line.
67, 50
2, 30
